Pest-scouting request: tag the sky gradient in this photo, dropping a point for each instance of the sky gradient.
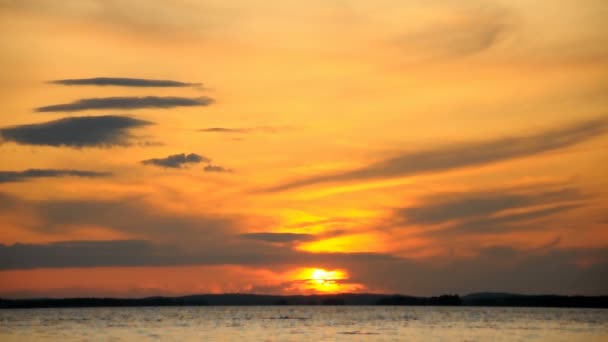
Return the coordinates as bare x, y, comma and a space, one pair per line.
203, 146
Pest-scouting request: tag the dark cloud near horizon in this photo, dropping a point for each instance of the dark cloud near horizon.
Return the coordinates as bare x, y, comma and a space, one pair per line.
131, 215
80, 131
278, 237
495, 268
127, 103
124, 253
21, 176
204, 239
217, 168
123, 82
462, 155
177, 161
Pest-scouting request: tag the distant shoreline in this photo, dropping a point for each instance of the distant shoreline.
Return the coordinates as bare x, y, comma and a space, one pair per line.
475, 299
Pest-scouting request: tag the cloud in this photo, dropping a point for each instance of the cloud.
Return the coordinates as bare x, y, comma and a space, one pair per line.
462, 155
446, 207
262, 129
465, 35
20, 176
224, 130
123, 253
176, 161
489, 212
123, 82
216, 168
78, 254
132, 216
157, 237
454, 31
496, 268
161, 238
81, 131
505, 223
127, 103
278, 237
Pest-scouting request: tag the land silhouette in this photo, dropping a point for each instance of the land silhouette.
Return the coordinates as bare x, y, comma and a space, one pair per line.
474, 299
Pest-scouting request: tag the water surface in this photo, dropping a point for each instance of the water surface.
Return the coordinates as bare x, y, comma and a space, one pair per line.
305, 323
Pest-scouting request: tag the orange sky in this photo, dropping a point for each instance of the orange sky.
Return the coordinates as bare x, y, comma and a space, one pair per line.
418, 147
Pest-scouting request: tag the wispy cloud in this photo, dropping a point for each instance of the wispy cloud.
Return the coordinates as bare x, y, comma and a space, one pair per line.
177, 161
20, 176
463, 155
216, 168
127, 103
81, 131
123, 82
457, 39
224, 130
489, 212
278, 237
261, 129
446, 207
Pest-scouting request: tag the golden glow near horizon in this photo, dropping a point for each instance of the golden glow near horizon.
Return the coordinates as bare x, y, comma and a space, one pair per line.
318, 280
350, 145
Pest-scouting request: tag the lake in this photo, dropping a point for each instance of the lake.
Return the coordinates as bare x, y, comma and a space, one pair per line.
305, 323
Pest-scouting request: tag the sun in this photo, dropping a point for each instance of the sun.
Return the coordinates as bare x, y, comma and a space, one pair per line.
321, 276
321, 280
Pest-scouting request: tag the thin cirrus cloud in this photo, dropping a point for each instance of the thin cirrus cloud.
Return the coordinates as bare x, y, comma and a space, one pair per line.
177, 161
278, 237
30, 174
462, 155
490, 212
83, 131
466, 32
506, 223
123, 82
125, 102
225, 130
445, 207
216, 168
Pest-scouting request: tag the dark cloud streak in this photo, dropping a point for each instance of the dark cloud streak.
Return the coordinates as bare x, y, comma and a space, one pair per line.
462, 155
20, 176
278, 237
177, 161
82, 131
452, 206
217, 168
127, 103
123, 82
262, 129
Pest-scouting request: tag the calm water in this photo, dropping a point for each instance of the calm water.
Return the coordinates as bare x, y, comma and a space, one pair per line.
308, 323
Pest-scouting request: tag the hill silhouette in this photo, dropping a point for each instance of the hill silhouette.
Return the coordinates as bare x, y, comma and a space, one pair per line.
475, 299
